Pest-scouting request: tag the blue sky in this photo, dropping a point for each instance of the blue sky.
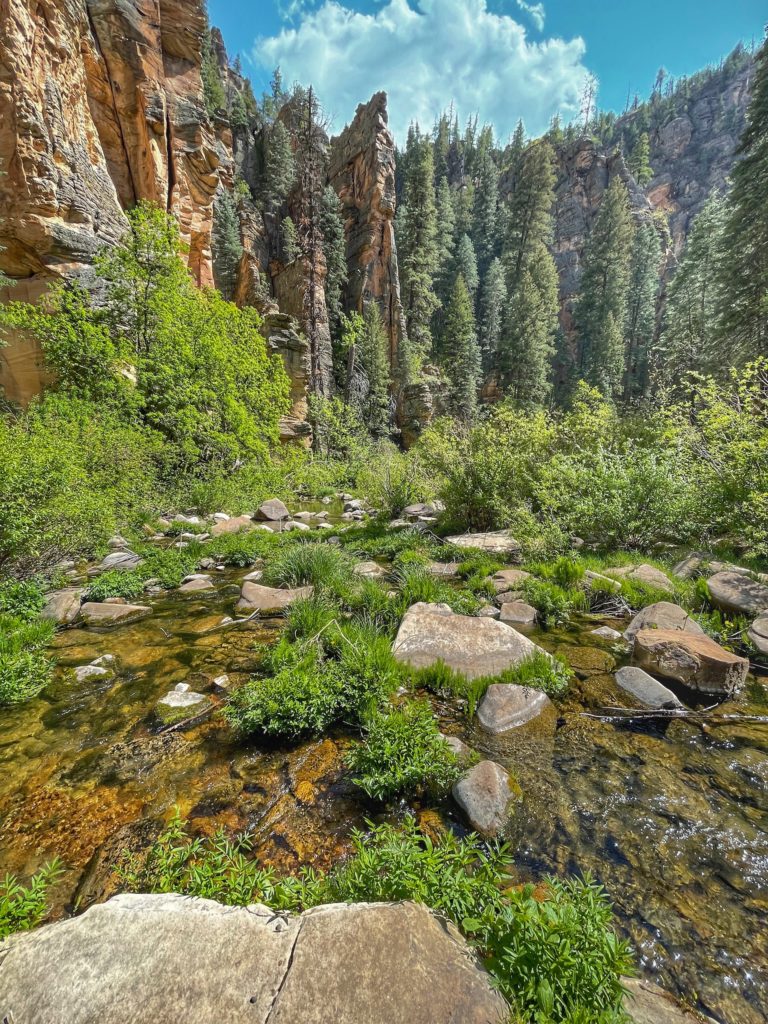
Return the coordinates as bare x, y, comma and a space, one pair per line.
502, 58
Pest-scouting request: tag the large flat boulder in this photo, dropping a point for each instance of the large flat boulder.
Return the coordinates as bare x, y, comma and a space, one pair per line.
506, 706
697, 661
272, 511
647, 574
662, 615
485, 796
62, 606
498, 542
645, 689
758, 634
732, 592
473, 646
105, 615
268, 600
168, 958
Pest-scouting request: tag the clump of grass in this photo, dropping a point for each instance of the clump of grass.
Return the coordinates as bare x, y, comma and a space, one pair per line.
403, 754
376, 541
176, 528
309, 617
553, 603
445, 682
540, 671
416, 583
242, 549
323, 566
25, 668
116, 583
23, 907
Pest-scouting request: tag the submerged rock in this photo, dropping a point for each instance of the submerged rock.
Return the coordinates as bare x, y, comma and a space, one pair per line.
732, 592
198, 585
485, 796
645, 689
180, 704
506, 706
646, 1003
662, 615
474, 646
63, 606
498, 542
164, 958
268, 600
692, 659
106, 615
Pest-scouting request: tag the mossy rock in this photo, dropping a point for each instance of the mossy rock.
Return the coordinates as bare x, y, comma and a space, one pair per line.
587, 661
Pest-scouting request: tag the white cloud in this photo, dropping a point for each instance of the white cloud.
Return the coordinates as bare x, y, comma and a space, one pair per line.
425, 53
535, 12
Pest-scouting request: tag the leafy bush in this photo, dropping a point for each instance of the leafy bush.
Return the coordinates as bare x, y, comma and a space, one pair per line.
21, 598
553, 604
116, 583
169, 565
241, 549
316, 564
24, 907
25, 669
403, 753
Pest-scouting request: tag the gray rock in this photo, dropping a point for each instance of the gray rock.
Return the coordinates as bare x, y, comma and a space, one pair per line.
268, 600
506, 706
485, 796
117, 542
234, 525
518, 612
690, 566
758, 634
106, 615
63, 606
596, 581
646, 1003
690, 658
644, 688
222, 683
353, 505
196, 586
272, 511
732, 592
220, 517
488, 611
85, 672
606, 633
253, 577
468, 644
303, 516
166, 958
178, 705
509, 579
644, 573
498, 542
370, 570
120, 561
443, 570
294, 524
662, 615
457, 746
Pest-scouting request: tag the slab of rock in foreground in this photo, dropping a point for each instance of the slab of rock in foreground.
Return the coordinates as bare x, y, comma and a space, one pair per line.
509, 579
499, 542
485, 796
168, 958
473, 646
180, 704
645, 689
758, 634
268, 600
62, 606
733, 592
506, 706
104, 614
662, 615
646, 1003
697, 661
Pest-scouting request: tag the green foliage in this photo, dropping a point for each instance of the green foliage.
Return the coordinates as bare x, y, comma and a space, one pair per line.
403, 753
310, 564
640, 321
415, 582
461, 352
25, 668
168, 566
553, 603
115, 583
540, 671
444, 681
225, 242
279, 167
289, 241
23, 907
213, 88
21, 598
640, 160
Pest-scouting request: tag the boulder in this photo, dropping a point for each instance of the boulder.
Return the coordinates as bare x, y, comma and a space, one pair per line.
662, 615
120, 561
234, 525
645, 689
732, 592
607, 633
179, 704
106, 615
506, 706
370, 570
294, 524
509, 579
220, 517
166, 958
646, 1003
86, 672
458, 747
62, 606
758, 634
647, 574
468, 644
268, 600
488, 611
499, 542
690, 658
518, 612
272, 511
485, 796
197, 585
353, 505
690, 566
444, 570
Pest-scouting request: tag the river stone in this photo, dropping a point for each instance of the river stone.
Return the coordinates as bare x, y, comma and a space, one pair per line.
444, 570
470, 645
690, 566
234, 525
196, 585
507, 706
693, 659
458, 747
62, 606
646, 1003
85, 672
732, 592
272, 511
509, 579
758, 634
499, 542
165, 958
369, 570
353, 505
120, 561
662, 615
488, 611
178, 705
644, 688
607, 633
647, 574
294, 524
268, 600
484, 794
518, 612
104, 614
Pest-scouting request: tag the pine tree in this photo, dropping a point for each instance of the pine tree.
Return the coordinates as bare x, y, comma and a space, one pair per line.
225, 242
640, 322
462, 355
493, 300
417, 241
335, 255
744, 275
640, 160
601, 308
530, 214
289, 241
465, 265
514, 156
279, 167
374, 361
442, 145
694, 301
213, 88
446, 241
484, 214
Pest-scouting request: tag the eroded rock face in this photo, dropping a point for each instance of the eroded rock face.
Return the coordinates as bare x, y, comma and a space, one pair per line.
160, 957
362, 171
692, 659
662, 615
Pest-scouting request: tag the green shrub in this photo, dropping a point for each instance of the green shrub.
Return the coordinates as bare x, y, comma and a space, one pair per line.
176, 528
116, 583
308, 618
372, 607
169, 565
24, 907
22, 598
403, 754
540, 671
25, 668
553, 603
316, 564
